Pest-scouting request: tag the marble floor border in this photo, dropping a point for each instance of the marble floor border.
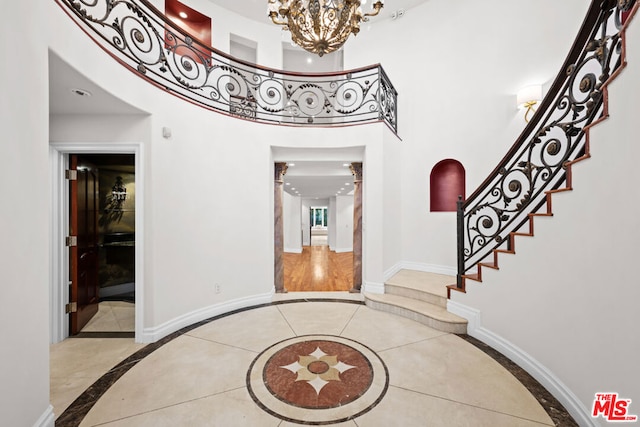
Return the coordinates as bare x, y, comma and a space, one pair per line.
80, 407
111, 334
551, 405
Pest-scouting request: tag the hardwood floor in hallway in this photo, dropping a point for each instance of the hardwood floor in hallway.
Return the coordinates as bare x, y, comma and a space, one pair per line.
318, 269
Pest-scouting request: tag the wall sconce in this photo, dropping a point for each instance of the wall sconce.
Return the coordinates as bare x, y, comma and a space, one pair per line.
527, 98
118, 192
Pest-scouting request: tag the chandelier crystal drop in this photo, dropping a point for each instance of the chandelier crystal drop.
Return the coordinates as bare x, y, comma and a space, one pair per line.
320, 26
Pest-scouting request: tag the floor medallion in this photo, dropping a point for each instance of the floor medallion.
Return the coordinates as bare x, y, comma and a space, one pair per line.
317, 379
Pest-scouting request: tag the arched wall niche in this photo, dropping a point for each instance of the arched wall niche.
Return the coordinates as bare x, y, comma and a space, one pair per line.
447, 182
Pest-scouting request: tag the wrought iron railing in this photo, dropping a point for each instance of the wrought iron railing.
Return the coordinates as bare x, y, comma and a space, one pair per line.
143, 39
536, 163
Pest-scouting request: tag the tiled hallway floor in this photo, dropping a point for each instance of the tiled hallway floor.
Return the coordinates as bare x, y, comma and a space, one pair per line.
240, 370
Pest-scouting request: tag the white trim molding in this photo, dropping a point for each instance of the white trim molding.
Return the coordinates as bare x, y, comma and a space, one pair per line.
373, 287
59, 263
342, 250
150, 335
47, 419
527, 362
293, 250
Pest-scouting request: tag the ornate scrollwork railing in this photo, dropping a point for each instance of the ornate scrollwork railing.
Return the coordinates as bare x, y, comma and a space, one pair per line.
556, 135
143, 39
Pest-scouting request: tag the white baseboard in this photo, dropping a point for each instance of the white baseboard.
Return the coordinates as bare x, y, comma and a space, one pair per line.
543, 375
47, 419
150, 335
342, 250
419, 266
373, 287
293, 250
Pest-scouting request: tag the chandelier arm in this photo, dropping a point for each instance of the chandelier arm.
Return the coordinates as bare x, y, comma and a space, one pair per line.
377, 7
274, 19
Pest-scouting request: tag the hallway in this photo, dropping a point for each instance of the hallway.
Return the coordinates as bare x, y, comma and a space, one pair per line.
219, 373
318, 269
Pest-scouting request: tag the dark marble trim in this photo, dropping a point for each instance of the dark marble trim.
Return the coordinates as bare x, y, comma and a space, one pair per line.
105, 335
555, 410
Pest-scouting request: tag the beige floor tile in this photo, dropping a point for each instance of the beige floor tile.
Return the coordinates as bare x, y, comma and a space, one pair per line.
382, 331
185, 369
64, 391
76, 363
112, 316
234, 408
253, 330
318, 317
104, 320
453, 369
410, 409
80, 357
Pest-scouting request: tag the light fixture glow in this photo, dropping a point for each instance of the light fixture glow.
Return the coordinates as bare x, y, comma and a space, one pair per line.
320, 26
183, 15
528, 97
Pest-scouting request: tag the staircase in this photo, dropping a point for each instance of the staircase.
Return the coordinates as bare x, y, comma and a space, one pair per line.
419, 296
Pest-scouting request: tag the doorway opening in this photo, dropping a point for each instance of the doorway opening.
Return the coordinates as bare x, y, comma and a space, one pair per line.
318, 207
319, 225
97, 240
102, 263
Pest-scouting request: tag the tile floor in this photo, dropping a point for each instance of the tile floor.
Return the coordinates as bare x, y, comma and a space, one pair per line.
202, 377
113, 316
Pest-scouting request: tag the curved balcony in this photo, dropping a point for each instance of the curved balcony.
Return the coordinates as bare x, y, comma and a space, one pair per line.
141, 38
538, 164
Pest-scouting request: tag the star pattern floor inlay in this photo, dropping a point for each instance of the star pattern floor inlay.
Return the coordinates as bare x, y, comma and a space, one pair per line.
342, 377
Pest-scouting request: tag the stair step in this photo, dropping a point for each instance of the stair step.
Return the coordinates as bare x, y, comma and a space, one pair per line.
423, 286
432, 315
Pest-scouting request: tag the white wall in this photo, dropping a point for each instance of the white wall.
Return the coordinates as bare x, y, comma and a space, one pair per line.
344, 224
292, 210
569, 297
24, 353
457, 86
331, 238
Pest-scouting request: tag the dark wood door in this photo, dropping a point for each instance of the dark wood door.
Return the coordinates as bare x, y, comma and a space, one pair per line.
83, 257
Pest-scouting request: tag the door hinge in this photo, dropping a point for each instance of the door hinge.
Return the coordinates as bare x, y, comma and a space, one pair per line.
71, 174
72, 307
71, 241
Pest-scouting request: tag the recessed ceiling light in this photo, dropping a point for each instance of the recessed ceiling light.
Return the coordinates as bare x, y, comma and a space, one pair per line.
81, 92
183, 15
287, 183
346, 165
342, 189
291, 164
293, 189
347, 183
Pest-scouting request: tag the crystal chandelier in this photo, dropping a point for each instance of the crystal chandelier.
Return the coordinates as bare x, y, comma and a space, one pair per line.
320, 26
